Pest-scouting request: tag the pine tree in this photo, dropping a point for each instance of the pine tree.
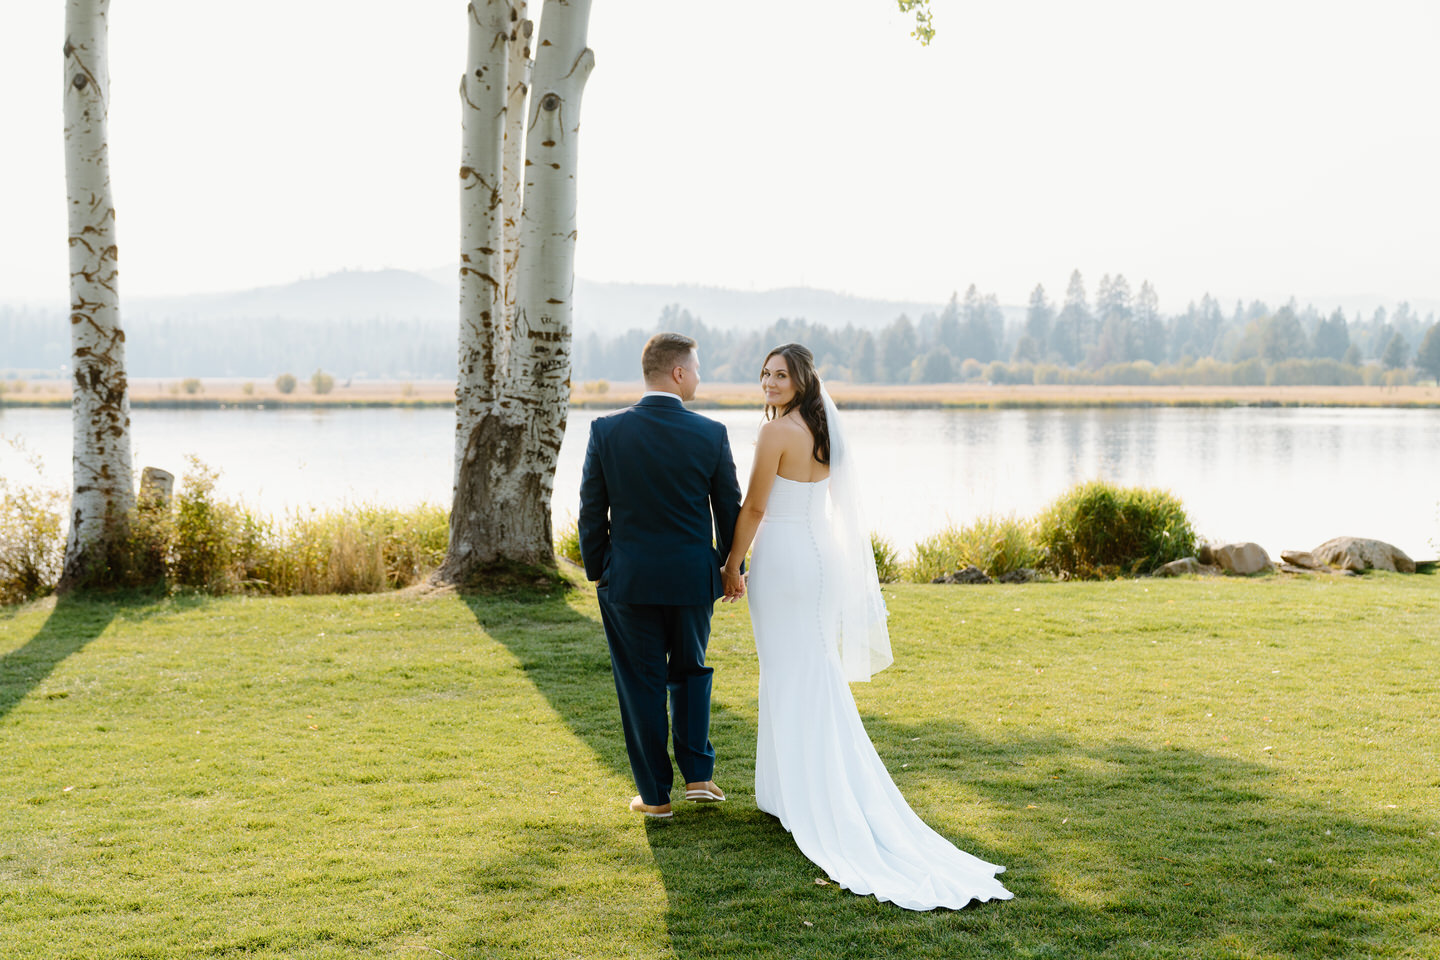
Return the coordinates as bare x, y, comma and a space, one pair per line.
1397, 353
898, 347
1039, 316
1332, 336
1427, 358
1075, 321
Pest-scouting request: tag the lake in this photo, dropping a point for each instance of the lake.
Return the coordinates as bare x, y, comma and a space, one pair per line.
1283, 477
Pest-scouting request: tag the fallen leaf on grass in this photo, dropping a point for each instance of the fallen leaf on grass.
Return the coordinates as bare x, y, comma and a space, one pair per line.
821, 882
807, 923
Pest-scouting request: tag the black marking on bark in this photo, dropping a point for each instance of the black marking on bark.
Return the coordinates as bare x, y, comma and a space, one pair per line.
80, 81
551, 102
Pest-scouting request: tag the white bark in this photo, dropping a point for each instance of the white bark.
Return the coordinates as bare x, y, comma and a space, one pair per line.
103, 490
521, 65
482, 297
514, 388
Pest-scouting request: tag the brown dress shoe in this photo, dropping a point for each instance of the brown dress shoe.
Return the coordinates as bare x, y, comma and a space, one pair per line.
705, 792
659, 811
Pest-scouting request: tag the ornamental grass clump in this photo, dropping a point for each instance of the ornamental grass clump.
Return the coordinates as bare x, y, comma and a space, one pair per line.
1097, 531
359, 548
887, 559
567, 543
997, 545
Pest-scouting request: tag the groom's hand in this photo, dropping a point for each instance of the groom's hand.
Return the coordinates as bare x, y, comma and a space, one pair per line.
734, 585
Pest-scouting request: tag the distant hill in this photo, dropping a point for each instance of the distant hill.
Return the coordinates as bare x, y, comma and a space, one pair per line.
348, 295
386, 323
604, 308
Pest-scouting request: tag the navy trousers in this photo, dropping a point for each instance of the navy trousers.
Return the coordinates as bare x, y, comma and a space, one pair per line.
655, 649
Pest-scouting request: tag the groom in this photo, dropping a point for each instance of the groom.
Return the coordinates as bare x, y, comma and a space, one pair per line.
655, 475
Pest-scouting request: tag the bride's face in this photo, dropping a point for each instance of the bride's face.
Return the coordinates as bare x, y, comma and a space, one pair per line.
775, 381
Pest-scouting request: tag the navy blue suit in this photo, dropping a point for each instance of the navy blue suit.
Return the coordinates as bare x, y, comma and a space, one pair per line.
657, 494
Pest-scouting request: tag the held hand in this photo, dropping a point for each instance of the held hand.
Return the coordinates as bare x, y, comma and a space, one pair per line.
734, 584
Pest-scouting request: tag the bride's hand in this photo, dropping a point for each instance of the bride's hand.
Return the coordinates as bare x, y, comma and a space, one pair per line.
734, 583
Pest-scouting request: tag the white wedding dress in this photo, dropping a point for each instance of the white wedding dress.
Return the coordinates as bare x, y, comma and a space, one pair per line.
815, 768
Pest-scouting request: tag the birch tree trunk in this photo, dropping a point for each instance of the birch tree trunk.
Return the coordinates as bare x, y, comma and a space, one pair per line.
103, 490
517, 273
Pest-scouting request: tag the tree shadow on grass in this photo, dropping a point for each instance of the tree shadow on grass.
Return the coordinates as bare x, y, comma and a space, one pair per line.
1121, 848
72, 623
1113, 849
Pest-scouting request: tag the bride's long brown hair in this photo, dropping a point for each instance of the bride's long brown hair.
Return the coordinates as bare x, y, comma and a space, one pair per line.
807, 396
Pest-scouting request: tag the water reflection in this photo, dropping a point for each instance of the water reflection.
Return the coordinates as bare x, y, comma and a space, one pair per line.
1283, 477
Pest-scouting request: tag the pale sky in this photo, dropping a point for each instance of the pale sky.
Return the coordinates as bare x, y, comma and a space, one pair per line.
1255, 149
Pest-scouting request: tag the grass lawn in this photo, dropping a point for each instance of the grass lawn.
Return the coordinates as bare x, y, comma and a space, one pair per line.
1200, 768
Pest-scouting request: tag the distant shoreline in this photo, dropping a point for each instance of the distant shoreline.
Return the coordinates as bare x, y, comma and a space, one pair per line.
231, 394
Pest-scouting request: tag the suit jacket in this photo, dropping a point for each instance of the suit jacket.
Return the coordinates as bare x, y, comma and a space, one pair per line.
658, 481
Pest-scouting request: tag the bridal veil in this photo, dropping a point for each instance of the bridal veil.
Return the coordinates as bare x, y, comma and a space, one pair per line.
863, 636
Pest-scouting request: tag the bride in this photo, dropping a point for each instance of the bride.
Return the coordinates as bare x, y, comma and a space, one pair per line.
819, 622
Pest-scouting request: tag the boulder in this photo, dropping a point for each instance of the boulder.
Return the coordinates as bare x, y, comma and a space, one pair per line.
1205, 555
1018, 575
1359, 554
1301, 558
1177, 568
1241, 558
971, 574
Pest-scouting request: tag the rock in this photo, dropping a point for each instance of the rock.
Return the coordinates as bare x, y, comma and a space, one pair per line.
1177, 568
1019, 575
1359, 554
1301, 558
1242, 558
156, 486
1205, 555
1292, 568
971, 574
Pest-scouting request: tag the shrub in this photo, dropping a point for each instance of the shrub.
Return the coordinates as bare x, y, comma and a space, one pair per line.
1313, 371
595, 386
567, 542
285, 383
887, 558
206, 534
223, 547
191, 385
1249, 373
996, 545
321, 382
248, 389
1098, 530
32, 545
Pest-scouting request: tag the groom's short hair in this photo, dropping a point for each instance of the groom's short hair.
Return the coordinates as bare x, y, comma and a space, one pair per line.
663, 353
